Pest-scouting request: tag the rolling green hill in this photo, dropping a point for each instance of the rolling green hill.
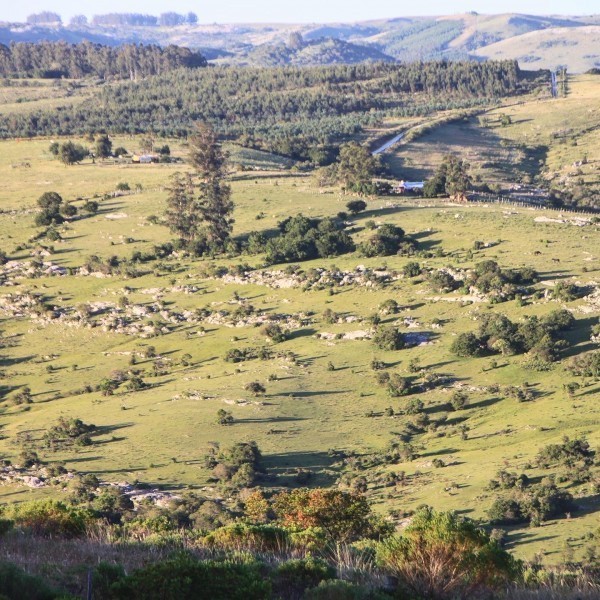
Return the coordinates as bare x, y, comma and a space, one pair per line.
329, 51
577, 48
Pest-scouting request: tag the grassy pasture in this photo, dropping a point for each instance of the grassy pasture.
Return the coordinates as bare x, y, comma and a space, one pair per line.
20, 96
160, 435
546, 137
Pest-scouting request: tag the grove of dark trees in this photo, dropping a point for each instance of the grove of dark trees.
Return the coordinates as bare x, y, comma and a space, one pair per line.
75, 61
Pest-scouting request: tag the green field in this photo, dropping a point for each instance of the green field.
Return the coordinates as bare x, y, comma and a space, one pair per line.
160, 435
551, 141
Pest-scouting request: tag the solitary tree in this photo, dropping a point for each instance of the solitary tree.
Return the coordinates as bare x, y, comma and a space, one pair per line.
342, 516
224, 417
255, 388
216, 208
206, 155
71, 153
103, 146
199, 207
451, 178
388, 338
458, 180
356, 206
51, 204
182, 215
356, 167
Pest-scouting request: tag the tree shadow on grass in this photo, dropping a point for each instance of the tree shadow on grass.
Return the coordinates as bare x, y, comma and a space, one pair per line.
444, 407
579, 337
428, 244
307, 394
441, 364
578, 349
82, 459
587, 505
7, 361
464, 511
107, 429
300, 333
484, 403
6, 390
439, 452
283, 467
107, 207
309, 361
124, 470
271, 420
383, 211
515, 538
592, 391
552, 275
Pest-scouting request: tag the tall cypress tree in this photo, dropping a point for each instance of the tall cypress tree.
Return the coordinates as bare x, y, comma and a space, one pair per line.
182, 214
199, 207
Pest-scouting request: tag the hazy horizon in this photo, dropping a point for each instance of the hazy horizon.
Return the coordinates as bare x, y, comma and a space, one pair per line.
310, 11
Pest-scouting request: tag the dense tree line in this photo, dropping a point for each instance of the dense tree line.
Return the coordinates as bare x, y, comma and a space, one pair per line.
166, 19
426, 39
44, 18
293, 111
60, 59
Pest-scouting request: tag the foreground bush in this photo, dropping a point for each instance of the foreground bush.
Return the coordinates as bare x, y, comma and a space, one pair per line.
293, 577
186, 578
255, 538
48, 518
441, 556
342, 590
15, 584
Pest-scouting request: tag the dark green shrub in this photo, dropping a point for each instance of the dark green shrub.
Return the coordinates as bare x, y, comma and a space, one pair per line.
294, 577
411, 269
16, 584
274, 332
389, 307
388, 240
388, 338
356, 206
5, 526
442, 281
398, 385
442, 555
302, 238
186, 578
48, 518
254, 538
336, 589
506, 511
103, 577
467, 345
458, 400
